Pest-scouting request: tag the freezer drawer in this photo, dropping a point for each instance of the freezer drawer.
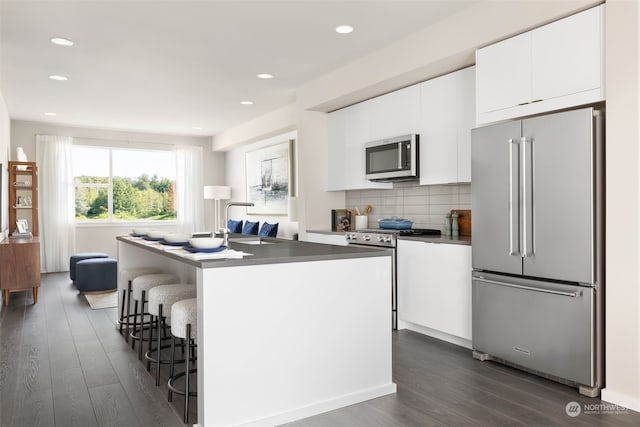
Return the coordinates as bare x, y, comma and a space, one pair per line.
547, 327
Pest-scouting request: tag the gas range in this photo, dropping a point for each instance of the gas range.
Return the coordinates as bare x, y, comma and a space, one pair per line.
385, 237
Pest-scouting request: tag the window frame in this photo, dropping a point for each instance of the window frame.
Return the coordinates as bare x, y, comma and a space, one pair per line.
110, 220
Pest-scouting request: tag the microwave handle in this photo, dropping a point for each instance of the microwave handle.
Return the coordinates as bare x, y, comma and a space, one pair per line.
400, 147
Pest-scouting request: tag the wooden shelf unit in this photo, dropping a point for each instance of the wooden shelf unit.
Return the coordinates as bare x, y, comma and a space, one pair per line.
23, 187
19, 267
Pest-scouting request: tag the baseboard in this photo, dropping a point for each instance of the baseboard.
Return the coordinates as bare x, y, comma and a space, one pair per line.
462, 342
322, 407
620, 399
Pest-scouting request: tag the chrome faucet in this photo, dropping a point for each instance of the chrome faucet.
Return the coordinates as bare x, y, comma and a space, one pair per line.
226, 210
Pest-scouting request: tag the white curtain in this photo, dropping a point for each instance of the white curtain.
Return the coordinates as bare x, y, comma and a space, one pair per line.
56, 202
189, 189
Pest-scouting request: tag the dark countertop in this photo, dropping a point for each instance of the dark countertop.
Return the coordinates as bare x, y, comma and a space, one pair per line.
279, 251
462, 240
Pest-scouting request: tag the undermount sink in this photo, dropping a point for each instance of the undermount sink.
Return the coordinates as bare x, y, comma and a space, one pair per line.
250, 241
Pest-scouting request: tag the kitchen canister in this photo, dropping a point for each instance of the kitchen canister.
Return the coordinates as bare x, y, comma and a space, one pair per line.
362, 222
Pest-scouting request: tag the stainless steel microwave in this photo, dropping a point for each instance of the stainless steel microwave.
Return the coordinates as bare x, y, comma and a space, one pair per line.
393, 159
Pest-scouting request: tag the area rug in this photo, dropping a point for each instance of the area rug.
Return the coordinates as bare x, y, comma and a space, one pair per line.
105, 300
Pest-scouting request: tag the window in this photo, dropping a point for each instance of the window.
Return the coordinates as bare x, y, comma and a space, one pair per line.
124, 184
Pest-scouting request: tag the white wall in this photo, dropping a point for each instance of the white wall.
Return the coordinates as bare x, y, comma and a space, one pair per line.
101, 238
623, 204
5, 134
235, 177
5, 138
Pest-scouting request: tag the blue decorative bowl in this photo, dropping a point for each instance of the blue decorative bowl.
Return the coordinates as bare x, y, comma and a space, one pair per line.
395, 223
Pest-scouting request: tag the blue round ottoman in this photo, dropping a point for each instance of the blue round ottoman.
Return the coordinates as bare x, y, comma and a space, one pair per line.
74, 259
97, 274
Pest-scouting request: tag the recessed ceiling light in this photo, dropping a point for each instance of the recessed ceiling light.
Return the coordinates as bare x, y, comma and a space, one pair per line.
344, 29
265, 76
50, 114
61, 41
246, 102
58, 78
196, 128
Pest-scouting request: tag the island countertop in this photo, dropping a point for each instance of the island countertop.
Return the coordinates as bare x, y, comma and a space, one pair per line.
274, 321
270, 251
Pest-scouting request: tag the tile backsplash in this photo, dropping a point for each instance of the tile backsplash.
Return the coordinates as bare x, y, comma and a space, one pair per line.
425, 205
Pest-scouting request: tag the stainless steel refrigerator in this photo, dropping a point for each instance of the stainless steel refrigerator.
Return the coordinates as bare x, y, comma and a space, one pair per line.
538, 239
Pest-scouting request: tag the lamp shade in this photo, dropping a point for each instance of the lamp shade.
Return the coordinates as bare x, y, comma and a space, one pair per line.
217, 192
293, 208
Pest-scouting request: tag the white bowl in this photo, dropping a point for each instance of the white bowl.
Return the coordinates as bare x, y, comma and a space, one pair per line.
176, 237
140, 231
206, 242
155, 234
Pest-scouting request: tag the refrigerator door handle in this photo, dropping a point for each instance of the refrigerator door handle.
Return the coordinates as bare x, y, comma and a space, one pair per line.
527, 196
514, 205
526, 288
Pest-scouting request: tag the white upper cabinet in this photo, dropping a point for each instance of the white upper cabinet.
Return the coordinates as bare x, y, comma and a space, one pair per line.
504, 74
567, 56
396, 113
348, 130
555, 66
336, 147
441, 111
466, 114
446, 119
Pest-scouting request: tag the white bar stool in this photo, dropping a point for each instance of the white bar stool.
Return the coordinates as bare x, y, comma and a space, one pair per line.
139, 289
127, 276
161, 299
184, 324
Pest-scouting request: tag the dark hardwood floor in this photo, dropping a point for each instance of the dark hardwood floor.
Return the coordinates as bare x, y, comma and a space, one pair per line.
63, 364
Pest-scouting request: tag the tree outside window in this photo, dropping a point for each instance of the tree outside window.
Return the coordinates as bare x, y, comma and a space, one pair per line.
124, 185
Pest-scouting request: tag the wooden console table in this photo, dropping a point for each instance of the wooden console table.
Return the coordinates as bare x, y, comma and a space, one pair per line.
20, 266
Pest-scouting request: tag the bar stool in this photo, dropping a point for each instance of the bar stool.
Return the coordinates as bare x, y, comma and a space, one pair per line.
128, 275
161, 299
139, 288
184, 325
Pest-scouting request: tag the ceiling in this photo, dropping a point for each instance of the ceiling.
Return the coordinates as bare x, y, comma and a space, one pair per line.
172, 67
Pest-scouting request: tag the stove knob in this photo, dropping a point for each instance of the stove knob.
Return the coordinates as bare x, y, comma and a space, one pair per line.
381, 239
366, 238
388, 239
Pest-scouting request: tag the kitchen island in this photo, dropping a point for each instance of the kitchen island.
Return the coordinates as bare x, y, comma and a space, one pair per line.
292, 330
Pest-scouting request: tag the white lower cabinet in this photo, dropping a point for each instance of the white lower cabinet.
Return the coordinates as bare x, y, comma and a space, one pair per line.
434, 289
327, 239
